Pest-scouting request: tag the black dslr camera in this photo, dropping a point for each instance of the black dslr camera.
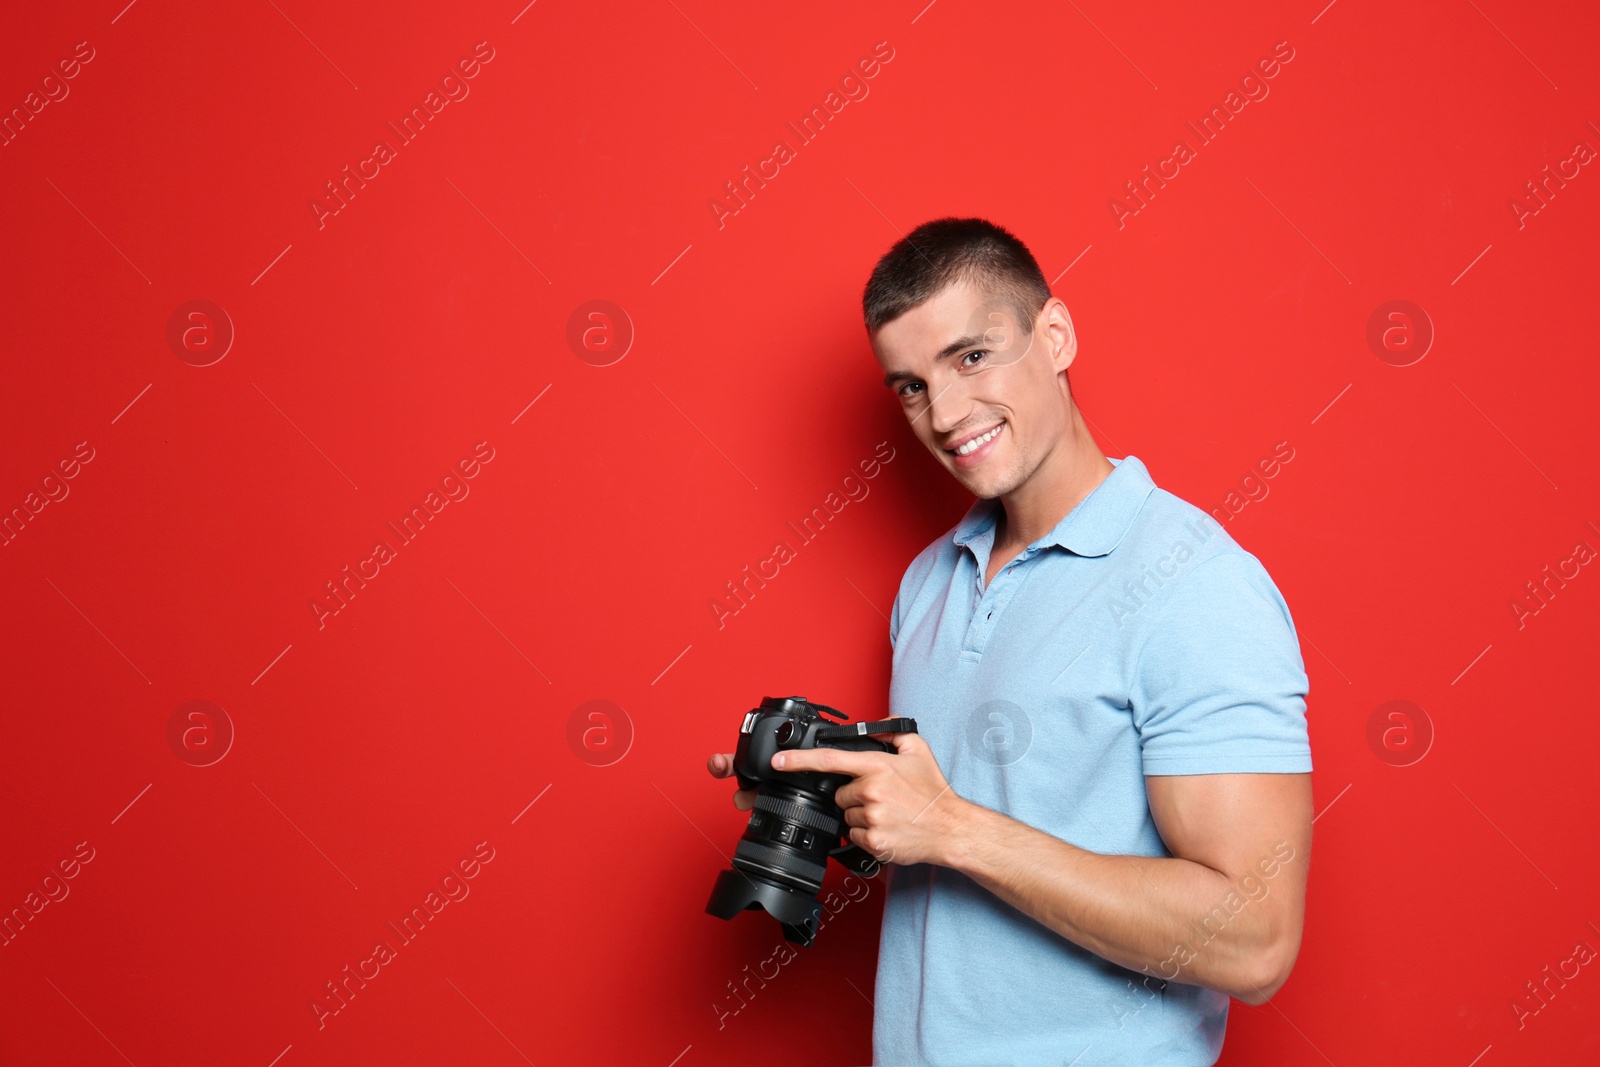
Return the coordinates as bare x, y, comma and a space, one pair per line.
795, 827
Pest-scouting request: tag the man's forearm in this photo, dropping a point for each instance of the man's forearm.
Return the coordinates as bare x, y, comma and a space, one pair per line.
1169, 917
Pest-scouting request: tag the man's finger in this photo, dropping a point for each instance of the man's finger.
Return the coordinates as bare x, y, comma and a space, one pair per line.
827, 759
845, 796
904, 741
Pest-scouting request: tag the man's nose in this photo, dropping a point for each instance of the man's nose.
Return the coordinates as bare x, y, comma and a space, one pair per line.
948, 407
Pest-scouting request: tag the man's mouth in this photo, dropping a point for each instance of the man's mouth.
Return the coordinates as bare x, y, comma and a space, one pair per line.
976, 444
976, 441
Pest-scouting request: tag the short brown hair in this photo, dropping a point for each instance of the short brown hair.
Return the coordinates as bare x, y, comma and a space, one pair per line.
948, 251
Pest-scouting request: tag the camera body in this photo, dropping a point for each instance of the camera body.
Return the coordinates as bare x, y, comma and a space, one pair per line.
794, 827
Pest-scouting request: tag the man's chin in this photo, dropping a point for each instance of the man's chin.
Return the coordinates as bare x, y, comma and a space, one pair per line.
983, 486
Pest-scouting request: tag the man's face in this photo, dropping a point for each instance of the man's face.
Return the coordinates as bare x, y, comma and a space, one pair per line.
984, 394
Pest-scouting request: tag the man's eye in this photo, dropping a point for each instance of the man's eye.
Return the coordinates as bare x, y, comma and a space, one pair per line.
909, 385
974, 352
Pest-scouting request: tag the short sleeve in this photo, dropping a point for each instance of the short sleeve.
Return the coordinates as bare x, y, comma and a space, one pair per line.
1219, 685
894, 622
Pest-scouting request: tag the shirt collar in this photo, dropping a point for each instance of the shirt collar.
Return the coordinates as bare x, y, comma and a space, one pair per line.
1093, 528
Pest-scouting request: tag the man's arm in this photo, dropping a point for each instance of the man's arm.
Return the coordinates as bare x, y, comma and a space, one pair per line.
1225, 911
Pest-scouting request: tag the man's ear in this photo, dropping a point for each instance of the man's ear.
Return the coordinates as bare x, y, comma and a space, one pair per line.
1062, 338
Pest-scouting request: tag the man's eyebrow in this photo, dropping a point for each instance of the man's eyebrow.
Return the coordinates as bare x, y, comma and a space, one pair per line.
959, 344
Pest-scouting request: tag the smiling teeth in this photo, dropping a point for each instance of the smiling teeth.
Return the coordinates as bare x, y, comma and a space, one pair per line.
977, 442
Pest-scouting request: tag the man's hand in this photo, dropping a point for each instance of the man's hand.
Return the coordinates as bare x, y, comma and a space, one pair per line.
900, 807
721, 766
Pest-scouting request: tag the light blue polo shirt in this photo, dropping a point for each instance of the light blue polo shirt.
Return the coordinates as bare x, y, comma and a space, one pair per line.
1136, 638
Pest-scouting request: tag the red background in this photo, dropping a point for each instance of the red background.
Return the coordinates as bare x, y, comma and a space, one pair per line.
374, 351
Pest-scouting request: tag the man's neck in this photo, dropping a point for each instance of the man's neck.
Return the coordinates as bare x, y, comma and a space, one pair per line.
1068, 475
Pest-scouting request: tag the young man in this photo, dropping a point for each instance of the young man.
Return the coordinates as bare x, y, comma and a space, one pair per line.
1102, 830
